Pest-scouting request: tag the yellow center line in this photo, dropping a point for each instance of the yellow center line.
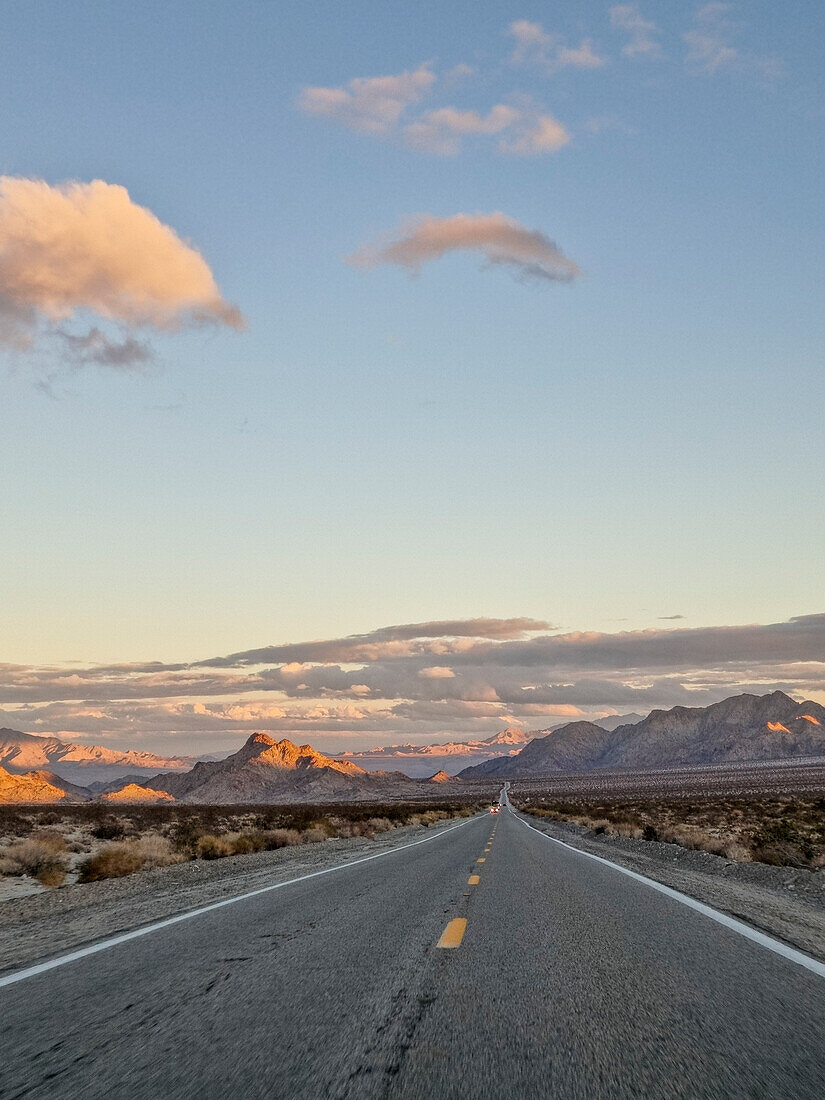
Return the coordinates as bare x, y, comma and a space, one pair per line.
474, 880
481, 859
453, 934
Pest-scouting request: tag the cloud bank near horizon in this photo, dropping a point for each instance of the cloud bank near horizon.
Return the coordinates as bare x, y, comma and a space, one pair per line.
72, 249
413, 682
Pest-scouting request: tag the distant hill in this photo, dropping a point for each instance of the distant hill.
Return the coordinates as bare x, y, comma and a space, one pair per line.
452, 756
25, 752
420, 760
265, 770
741, 728
134, 792
613, 721
38, 786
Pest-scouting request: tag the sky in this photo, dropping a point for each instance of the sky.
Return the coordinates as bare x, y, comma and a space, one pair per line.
316, 320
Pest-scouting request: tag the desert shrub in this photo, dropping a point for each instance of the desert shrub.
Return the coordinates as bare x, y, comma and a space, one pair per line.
50, 839
109, 830
209, 846
243, 843
314, 834
157, 851
112, 861
739, 853
42, 858
281, 838
13, 823
782, 842
380, 824
779, 853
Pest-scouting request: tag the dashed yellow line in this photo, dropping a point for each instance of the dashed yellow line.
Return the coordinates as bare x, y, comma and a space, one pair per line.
453, 934
474, 880
481, 859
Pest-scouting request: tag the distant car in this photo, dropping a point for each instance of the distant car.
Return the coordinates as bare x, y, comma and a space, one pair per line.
495, 809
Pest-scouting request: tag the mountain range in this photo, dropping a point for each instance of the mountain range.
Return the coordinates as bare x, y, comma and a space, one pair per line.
419, 760
81, 764
265, 770
741, 728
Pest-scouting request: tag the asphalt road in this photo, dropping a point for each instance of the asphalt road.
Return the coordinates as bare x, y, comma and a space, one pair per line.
569, 979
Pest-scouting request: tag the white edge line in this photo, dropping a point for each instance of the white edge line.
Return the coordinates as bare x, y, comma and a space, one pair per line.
779, 948
113, 941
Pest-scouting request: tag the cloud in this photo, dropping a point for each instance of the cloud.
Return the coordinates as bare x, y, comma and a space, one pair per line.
709, 49
535, 47
405, 640
380, 106
414, 680
500, 239
671, 616
524, 130
539, 134
642, 32
579, 57
373, 104
441, 131
76, 248
97, 347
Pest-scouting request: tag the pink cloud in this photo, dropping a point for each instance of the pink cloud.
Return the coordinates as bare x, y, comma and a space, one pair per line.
88, 247
500, 239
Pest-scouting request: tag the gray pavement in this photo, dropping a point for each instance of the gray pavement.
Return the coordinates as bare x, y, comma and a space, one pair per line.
571, 980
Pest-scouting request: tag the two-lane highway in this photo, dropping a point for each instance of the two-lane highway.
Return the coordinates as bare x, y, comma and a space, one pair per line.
486, 962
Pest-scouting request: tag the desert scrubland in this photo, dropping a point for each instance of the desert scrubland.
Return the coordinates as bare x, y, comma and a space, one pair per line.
49, 847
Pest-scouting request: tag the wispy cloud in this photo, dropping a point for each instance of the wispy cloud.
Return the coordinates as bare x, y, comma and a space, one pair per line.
372, 104
500, 239
710, 46
78, 248
441, 131
642, 33
534, 46
524, 130
96, 347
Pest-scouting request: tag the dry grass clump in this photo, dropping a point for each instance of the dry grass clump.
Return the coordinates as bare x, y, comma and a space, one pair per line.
209, 846
42, 856
157, 851
112, 861
125, 857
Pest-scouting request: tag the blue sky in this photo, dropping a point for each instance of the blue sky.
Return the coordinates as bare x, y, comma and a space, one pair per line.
384, 446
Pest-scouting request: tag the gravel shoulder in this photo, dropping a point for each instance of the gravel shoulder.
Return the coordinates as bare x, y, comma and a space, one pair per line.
784, 902
43, 925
